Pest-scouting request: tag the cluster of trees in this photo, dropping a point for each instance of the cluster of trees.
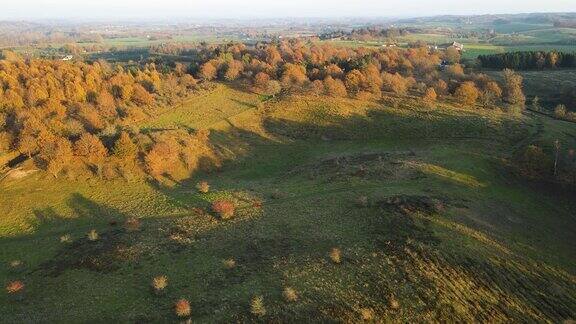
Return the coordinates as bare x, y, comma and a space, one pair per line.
528, 60
555, 163
58, 113
370, 33
24, 34
565, 23
294, 66
561, 112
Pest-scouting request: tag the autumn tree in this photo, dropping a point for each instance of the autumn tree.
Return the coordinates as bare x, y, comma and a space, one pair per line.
125, 151
560, 111
429, 95
491, 93
261, 81
467, 93
140, 96
452, 55
294, 76
91, 149
208, 71
440, 87
233, 70
354, 81
56, 155
394, 83
334, 87
512, 91
161, 159
28, 145
106, 104
455, 71
316, 87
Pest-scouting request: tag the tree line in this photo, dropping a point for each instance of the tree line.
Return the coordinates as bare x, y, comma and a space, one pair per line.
528, 60
320, 69
62, 115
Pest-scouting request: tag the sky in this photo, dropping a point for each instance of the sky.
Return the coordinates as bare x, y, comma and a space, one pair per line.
162, 9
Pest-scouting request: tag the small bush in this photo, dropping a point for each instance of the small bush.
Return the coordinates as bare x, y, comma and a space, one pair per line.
257, 306
223, 208
15, 287
159, 283
93, 235
367, 314
66, 238
203, 187
336, 255
362, 201
182, 308
15, 264
290, 295
560, 111
393, 303
132, 224
276, 194
229, 263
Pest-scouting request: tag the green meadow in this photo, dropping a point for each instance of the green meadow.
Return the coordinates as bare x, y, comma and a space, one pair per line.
419, 202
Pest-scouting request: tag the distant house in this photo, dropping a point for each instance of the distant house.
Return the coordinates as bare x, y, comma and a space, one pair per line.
456, 45
389, 45
68, 58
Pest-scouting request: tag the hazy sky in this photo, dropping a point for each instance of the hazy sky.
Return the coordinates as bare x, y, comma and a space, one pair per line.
98, 9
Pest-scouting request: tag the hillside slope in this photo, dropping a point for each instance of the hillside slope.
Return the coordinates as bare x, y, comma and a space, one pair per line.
429, 221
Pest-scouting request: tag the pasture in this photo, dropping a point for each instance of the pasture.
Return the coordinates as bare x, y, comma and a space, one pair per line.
416, 201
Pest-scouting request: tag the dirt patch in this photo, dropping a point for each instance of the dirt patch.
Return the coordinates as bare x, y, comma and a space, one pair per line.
105, 254
407, 204
382, 165
15, 174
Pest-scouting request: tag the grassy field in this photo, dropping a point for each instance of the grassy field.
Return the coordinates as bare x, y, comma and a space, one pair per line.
444, 232
204, 110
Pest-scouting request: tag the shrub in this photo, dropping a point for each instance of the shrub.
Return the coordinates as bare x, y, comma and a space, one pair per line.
15, 287
362, 201
15, 264
182, 308
93, 235
394, 83
467, 93
571, 116
393, 303
430, 95
159, 283
512, 90
560, 111
257, 306
534, 163
336, 255
277, 194
290, 295
132, 224
203, 187
66, 238
223, 208
334, 87
229, 263
367, 314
